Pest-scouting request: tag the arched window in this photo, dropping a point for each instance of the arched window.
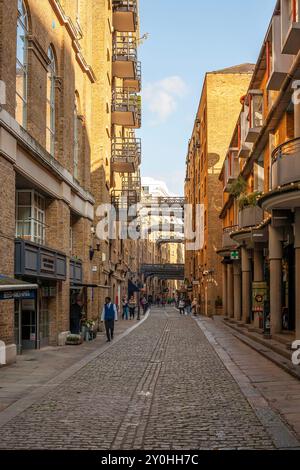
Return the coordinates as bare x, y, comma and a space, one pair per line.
50, 114
76, 136
21, 64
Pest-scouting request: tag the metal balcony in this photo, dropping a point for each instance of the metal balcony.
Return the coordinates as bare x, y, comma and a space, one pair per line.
134, 84
126, 154
250, 216
286, 164
125, 15
255, 116
124, 57
126, 108
231, 170
122, 202
131, 183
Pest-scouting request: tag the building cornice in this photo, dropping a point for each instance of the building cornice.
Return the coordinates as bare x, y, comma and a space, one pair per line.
37, 49
28, 143
73, 33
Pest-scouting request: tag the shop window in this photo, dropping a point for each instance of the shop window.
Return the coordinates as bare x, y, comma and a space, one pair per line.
30, 216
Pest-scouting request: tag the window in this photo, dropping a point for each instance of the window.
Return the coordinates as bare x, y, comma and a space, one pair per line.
76, 139
50, 114
21, 65
30, 217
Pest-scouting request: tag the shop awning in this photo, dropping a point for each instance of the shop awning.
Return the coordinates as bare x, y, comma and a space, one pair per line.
8, 283
132, 288
11, 288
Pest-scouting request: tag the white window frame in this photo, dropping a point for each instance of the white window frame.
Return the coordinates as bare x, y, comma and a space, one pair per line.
36, 219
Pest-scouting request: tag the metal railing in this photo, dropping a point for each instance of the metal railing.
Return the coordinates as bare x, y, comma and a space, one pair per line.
124, 48
126, 150
286, 163
131, 183
125, 5
122, 199
289, 148
125, 100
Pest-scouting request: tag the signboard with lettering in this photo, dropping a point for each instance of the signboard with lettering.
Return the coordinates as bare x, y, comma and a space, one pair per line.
47, 263
22, 294
259, 296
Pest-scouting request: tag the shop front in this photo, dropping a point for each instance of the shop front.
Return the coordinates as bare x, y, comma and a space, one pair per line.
46, 268
23, 293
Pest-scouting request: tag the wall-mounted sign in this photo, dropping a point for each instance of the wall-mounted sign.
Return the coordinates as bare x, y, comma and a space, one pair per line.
259, 296
23, 294
47, 263
234, 255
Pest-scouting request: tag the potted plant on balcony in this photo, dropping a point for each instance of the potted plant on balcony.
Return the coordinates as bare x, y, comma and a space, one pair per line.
248, 200
238, 187
249, 212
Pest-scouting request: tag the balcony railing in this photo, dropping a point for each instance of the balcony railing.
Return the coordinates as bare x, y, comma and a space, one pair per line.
255, 116
231, 170
134, 83
125, 15
286, 163
123, 200
227, 241
250, 216
131, 183
126, 108
126, 154
124, 49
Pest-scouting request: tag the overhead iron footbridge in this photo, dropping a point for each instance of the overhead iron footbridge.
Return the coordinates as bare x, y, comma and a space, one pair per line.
163, 271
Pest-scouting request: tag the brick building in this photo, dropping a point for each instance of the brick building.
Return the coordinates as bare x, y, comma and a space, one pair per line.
260, 182
215, 119
56, 138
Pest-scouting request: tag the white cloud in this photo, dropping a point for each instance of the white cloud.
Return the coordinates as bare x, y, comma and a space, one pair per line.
162, 97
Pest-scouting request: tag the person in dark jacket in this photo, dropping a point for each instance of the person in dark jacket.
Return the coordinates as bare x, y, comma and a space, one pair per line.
75, 316
109, 316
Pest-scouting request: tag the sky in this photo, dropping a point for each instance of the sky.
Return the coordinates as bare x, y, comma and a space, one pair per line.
186, 39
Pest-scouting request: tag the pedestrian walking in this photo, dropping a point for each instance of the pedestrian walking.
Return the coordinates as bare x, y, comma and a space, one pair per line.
132, 307
188, 306
195, 306
109, 316
144, 304
125, 308
181, 306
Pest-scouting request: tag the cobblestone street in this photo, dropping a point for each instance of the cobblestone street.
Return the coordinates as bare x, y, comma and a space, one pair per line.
162, 386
